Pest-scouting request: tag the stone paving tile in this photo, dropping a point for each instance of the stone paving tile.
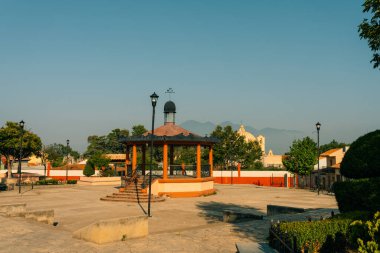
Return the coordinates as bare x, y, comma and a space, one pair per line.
178, 225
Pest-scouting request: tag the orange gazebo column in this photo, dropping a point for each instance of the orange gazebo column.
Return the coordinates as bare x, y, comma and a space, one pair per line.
165, 162
171, 161
198, 160
134, 158
127, 161
143, 159
211, 161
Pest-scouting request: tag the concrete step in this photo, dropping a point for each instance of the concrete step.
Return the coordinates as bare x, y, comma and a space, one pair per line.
254, 247
127, 196
128, 192
131, 199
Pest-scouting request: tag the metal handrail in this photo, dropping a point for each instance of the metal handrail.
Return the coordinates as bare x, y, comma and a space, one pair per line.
282, 242
132, 179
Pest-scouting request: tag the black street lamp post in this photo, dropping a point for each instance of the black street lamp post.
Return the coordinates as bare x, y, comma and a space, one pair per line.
231, 150
22, 123
153, 98
318, 126
67, 160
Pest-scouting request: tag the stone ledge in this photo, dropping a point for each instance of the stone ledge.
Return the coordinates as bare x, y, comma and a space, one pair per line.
13, 208
45, 216
273, 210
236, 216
99, 181
112, 230
254, 247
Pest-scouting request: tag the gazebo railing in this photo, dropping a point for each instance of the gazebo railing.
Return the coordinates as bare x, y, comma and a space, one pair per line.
182, 170
205, 171
173, 170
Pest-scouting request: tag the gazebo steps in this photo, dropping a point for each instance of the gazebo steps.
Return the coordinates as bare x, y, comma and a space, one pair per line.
130, 191
133, 192
132, 199
127, 195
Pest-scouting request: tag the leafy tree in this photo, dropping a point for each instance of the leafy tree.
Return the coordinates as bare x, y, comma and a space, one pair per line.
96, 144
56, 153
98, 161
232, 148
113, 144
138, 130
302, 157
43, 156
10, 138
109, 144
370, 29
362, 160
333, 144
251, 154
186, 155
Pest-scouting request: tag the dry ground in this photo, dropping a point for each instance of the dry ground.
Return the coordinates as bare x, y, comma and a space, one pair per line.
177, 225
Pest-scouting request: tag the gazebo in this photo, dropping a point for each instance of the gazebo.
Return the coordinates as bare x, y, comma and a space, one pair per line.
175, 180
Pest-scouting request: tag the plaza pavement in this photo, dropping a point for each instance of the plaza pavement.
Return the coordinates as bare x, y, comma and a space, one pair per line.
176, 225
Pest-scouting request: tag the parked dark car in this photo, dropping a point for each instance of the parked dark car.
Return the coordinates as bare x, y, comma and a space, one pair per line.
3, 187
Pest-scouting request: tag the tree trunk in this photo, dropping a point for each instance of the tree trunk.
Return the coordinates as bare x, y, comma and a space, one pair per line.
9, 167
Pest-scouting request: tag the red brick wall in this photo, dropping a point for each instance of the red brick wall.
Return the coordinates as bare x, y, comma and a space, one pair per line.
261, 181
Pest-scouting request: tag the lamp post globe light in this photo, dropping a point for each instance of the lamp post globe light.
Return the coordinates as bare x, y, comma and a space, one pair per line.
22, 123
153, 98
67, 160
318, 126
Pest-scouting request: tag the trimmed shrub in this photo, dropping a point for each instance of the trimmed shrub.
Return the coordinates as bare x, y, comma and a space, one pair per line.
315, 236
362, 160
358, 195
73, 181
107, 172
88, 170
47, 182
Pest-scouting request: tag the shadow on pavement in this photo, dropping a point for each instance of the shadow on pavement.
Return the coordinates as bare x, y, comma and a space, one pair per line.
254, 229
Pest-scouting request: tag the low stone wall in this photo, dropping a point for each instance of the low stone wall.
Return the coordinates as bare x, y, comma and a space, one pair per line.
182, 188
236, 216
115, 181
273, 210
112, 230
19, 210
13, 208
45, 216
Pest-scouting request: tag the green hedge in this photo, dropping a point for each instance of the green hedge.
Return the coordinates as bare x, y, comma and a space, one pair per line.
362, 159
71, 181
358, 195
314, 236
47, 182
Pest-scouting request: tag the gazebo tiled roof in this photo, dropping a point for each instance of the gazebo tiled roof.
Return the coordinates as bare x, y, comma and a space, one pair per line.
170, 130
170, 133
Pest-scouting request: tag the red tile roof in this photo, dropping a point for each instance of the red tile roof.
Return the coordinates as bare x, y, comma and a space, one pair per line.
170, 130
329, 152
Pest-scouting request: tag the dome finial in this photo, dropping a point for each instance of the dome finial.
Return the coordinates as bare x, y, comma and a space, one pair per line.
170, 91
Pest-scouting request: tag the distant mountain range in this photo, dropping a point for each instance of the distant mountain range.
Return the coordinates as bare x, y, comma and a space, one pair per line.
279, 140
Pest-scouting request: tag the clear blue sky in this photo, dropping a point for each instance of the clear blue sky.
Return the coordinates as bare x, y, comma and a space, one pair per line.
74, 68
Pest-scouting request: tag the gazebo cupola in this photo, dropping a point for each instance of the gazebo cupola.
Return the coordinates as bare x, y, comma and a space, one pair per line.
169, 113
